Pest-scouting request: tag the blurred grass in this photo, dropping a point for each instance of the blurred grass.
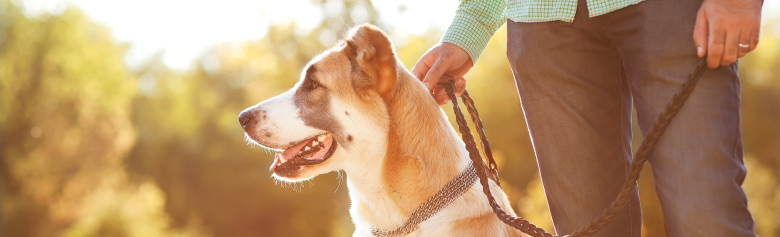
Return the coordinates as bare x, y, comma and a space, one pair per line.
92, 148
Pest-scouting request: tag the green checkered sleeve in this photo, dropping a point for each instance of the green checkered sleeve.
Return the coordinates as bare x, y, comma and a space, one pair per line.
475, 23
601, 7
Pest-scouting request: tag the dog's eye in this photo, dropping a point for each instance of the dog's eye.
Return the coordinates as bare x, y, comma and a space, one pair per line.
312, 84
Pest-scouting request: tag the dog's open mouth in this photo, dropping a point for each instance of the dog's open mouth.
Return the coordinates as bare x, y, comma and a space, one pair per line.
311, 151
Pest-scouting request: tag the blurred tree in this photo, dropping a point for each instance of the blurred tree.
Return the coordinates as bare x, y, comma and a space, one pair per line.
340, 15
66, 129
64, 97
760, 81
92, 149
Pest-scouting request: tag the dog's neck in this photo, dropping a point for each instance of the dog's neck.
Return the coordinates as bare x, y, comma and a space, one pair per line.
423, 153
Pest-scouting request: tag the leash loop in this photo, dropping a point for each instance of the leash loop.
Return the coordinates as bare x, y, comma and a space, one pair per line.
651, 139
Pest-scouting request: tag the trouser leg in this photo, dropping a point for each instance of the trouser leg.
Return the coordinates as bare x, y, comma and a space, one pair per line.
697, 164
577, 106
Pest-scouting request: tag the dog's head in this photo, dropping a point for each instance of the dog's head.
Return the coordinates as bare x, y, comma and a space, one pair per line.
334, 113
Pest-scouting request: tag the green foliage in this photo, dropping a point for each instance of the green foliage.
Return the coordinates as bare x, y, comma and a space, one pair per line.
90, 148
761, 130
66, 98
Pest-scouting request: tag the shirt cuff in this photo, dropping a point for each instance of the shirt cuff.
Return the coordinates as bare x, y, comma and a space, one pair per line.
469, 34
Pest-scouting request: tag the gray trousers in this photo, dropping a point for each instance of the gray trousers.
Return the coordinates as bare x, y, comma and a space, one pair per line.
577, 83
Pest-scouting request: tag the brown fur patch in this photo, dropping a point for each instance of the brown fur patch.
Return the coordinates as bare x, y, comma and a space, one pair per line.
373, 60
403, 175
313, 102
421, 156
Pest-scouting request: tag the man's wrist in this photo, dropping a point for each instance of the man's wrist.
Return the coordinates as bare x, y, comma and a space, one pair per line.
468, 34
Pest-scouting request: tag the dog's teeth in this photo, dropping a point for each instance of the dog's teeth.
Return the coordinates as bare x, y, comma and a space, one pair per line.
320, 138
307, 148
314, 143
283, 160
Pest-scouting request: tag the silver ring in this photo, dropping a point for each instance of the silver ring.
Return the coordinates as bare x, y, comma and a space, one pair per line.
744, 46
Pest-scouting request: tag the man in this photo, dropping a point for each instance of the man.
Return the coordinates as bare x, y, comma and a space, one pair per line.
579, 67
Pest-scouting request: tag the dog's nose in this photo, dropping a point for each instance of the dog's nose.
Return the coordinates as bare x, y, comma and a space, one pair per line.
244, 118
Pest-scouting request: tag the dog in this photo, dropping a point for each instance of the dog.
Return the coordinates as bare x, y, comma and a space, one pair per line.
356, 108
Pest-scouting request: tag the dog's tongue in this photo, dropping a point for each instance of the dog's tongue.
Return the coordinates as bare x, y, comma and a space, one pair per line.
293, 151
288, 154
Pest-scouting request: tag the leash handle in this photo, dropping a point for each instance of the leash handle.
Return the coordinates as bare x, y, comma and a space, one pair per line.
659, 127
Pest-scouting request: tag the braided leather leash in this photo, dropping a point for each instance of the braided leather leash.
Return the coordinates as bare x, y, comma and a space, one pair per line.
660, 125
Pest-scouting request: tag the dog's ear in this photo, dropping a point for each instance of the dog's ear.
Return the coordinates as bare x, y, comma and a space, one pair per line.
373, 59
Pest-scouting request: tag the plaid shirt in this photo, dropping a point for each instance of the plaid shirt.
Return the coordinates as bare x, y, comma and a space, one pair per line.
476, 20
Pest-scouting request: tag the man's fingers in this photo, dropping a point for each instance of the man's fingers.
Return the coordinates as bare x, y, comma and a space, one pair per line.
422, 67
436, 71
744, 40
460, 86
754, 39
728, 24
700, 34
715, 46
419, 71
730, 47
441, 95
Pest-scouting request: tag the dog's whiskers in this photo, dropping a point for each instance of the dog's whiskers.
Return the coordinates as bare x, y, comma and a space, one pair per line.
254, 144
340, 178
295, 186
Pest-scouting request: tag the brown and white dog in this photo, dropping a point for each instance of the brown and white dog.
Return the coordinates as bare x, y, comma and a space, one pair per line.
356, 108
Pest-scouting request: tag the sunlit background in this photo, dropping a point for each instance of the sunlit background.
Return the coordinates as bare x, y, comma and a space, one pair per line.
119, 118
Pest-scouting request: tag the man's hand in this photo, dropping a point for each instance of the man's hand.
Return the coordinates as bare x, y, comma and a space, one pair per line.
722, 26
440, 64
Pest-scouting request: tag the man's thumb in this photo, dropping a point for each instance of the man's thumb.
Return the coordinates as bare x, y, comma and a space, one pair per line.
700, 33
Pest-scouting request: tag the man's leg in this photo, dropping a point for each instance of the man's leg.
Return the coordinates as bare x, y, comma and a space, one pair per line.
577, 106
697, 164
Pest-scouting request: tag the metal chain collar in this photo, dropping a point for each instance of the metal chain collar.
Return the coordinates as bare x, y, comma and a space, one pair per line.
444, 197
